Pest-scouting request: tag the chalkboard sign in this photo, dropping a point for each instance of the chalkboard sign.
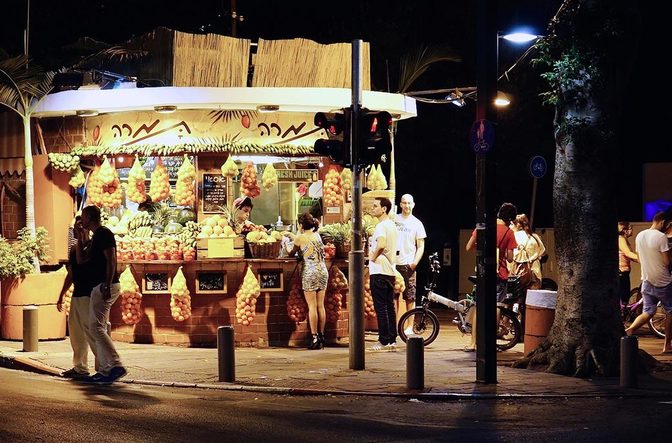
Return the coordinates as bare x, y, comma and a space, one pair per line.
211, 282
271, 280
155, 282
214, 192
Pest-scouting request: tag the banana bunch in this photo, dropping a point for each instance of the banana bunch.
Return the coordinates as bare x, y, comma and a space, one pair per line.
140, 219
77, 178
189, 234
63, 161
229, 168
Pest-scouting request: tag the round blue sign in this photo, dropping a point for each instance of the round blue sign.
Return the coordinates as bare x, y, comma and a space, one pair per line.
482, 136
538, 166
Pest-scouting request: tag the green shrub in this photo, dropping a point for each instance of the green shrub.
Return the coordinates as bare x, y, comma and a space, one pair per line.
16, 258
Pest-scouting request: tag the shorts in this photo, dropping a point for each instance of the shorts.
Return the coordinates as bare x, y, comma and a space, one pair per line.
652, 295
409, 276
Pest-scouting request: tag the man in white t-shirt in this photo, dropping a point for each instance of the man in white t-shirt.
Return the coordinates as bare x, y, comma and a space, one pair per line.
382, 258
411, 246
652, 247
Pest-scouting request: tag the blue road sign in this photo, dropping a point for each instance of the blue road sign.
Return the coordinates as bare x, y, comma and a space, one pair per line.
538, 166
482, 136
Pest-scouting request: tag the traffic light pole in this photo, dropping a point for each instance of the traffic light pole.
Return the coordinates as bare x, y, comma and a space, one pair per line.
356, 255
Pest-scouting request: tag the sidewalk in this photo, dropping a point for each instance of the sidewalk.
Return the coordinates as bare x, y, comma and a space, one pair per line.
449, 371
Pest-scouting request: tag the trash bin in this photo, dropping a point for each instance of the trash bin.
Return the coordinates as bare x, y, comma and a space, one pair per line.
539, 316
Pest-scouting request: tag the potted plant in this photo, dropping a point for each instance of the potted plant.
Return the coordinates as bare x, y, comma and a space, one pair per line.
21, 286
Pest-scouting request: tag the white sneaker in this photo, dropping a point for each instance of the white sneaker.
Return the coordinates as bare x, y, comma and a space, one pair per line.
377, 347
392, 347
409, 331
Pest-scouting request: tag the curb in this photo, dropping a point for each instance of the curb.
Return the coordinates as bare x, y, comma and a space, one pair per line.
30, 365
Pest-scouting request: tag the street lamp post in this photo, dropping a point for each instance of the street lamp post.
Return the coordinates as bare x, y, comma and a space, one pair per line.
486, 263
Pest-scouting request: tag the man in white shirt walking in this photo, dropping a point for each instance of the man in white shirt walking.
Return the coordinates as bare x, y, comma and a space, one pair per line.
411, 246
652, 247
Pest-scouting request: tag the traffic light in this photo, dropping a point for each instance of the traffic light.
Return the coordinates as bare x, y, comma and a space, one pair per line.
337, 127
374, 141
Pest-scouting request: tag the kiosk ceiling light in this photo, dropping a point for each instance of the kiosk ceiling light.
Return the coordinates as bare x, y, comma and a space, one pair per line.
268, 108
86, 112
165, 109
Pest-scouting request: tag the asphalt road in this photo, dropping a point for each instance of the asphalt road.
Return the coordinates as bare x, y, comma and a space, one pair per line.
41, 408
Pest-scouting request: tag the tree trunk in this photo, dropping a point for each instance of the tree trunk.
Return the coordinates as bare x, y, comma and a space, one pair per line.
30, 183
585, 335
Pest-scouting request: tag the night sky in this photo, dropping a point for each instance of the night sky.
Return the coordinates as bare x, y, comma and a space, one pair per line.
434, 144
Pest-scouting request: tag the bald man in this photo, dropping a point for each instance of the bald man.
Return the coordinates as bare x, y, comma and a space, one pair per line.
411, 246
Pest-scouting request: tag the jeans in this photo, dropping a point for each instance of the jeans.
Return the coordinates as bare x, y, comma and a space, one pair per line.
81, 337
99, 314
382, 292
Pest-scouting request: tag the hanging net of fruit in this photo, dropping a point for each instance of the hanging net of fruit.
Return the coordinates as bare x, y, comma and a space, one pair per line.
94, 188
184, 188
248, 181
333, 191
77, 178
346, 178
180, 299
159, 186
369, 310
269, 178
107, 172
297, 308
136, 183
113, 193
246, 298
229, 168
376, 179
131, 298
399, 285
63, 161
67, 299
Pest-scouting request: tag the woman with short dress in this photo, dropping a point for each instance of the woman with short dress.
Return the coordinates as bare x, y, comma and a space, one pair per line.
314, 276
625, 256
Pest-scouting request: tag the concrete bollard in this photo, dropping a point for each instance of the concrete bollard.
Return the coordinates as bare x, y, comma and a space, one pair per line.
30, 330
226, 358
629, 354
415, 363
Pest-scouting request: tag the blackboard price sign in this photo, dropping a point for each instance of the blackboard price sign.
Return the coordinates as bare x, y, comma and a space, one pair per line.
156, 282
211, 282
214, 192
271, 280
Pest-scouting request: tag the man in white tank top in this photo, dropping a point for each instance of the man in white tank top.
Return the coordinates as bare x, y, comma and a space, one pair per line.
652, 248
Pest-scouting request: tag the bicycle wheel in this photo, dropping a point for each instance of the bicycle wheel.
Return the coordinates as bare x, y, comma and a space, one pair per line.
508, 331
657, 322
421, 322
630, 312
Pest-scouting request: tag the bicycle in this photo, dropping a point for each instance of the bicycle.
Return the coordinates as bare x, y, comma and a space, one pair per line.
421, 321
633, 308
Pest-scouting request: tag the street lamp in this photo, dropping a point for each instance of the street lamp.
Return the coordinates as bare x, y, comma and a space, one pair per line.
482, 140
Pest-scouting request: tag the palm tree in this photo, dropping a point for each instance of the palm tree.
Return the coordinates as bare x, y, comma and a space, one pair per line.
22, 87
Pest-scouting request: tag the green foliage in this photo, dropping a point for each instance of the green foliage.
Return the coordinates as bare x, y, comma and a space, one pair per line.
16, 258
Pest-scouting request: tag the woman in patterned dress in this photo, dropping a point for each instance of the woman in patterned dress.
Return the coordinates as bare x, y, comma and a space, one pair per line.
314, 276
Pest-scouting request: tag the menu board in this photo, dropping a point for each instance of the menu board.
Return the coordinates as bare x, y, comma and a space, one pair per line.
155, 282
211, 282
214, 192
271, 280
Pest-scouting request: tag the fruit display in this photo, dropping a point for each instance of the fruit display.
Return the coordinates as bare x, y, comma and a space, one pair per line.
376, 179
113, 194
94, 188
187, 239
399, 285
63, 162
215, 226
140, 220
159, 186
346, 178
332, 190
135, 190
107, 173
269, 178
334, 296
229, 168
329, 250
297, 307
185, 192
67, 299
248, 182
246, 298
180, 299
131, 298
77, 178
369, 310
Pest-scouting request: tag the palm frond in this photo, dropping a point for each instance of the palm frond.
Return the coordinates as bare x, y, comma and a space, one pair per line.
414, 65
114, 53
23, 85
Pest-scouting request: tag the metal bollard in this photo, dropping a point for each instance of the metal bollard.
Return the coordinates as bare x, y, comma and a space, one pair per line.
226, 359
30, 333
629, 355
415, 363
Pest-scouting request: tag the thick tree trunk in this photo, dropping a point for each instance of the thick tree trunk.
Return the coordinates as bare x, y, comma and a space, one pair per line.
30, 183
585, 336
